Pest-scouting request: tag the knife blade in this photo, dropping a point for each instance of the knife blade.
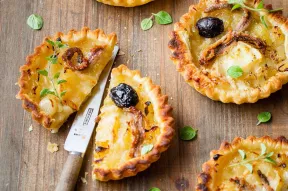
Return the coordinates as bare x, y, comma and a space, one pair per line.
84, 122
81, 131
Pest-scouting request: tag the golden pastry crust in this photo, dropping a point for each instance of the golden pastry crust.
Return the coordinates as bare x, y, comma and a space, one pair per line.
50, 111
125, 3
220, 172
116, 160
259, 81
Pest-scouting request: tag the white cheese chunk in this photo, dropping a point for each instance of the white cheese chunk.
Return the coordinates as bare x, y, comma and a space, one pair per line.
242, 55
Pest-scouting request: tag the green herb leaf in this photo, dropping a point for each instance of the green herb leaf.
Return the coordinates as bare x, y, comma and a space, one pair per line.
51, 92
146, 24
146, 149
43, 72
61, 81
249, 167
242, 153
275, 10
53, 59
187, 133
262, 18
35, 22
236, 6
235, 71
263, 149
260, 5
154, 189
270, 154
270, 160
59, 44
163, 18
50, 42
44, 92
56, 76
63, 93
235, 1
263, 117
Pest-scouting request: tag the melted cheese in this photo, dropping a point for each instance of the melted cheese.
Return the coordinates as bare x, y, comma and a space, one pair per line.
276, 174
114, 131
79, 83
258, 67
242, 55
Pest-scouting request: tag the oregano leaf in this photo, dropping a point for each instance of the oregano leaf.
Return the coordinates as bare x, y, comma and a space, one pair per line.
50, 42
275, 10
163, 18
263, 21
270, 160
235, 71
236, 6
235, 2
63, 93
187, 133
61, 81
43, 72
270, 154
35, 21
146, 149
53, 59
263, 149
242, 154
249, 167
146, 24
56, 76
263, 117
154, 189
44, 92
260, 5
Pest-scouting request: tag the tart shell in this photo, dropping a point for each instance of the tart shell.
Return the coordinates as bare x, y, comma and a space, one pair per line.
73, 35
185, 63
208, 168
125, 3
163, 112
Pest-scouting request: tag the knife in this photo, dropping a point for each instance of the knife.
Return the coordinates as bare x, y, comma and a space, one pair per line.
81, 131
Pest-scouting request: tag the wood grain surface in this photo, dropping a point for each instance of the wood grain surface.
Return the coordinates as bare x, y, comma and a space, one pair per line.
25, 163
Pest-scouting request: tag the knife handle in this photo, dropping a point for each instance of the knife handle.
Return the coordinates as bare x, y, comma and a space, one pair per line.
70, 172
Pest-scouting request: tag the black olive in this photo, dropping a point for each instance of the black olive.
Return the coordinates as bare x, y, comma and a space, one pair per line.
210, 27
124, 95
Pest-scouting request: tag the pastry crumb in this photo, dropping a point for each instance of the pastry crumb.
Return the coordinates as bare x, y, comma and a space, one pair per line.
30, 128
155, 38
52, 147
157, 74
121, 53
125, 28
171, 98
140, 50
16, 84
83, 179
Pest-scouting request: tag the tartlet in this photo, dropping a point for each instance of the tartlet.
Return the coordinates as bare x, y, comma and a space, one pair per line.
226, 170
73, 62
244, 41
132, 133
125, 3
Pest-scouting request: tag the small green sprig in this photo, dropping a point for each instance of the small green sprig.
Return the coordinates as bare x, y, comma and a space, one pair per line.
263, 156
54, 80
162, 18
260, 8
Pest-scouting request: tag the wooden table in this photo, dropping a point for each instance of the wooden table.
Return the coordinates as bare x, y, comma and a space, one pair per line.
25, 162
